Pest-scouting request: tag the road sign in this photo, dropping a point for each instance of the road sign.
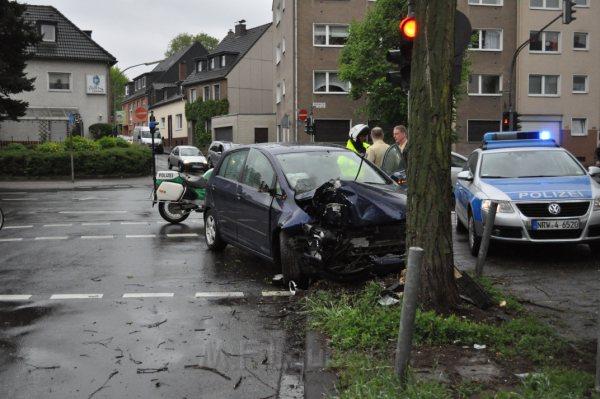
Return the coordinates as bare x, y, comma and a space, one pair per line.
320, 105
71, 119
141, 114
302, 115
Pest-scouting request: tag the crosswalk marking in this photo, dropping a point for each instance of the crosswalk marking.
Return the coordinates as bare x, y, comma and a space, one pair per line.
77, 296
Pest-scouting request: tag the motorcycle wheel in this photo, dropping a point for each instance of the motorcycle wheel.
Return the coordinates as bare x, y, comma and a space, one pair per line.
172, 213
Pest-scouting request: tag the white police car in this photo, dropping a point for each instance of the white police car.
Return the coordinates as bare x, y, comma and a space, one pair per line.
544, 193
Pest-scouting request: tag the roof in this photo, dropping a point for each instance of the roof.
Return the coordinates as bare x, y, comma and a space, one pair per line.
171, 99
71, 42
167, 63
232, 44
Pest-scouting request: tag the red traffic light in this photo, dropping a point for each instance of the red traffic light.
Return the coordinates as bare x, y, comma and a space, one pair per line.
408, 27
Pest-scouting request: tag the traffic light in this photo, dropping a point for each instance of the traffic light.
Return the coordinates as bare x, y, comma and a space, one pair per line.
511, 121
516, 121
506, 122
309, 127
403, 55
568, 11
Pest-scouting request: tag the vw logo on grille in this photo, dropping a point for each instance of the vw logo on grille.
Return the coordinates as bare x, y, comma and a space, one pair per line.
554, 209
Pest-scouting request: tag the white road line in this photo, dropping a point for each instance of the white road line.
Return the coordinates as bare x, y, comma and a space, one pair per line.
219, 295
149, 295
95, 224
277, 293
17, 227
97, 237
10, 239
141, 236
12, 298
18, 199
90, 212
182, 235
134, 223
77, 296
51, 238
15, 193
59, 225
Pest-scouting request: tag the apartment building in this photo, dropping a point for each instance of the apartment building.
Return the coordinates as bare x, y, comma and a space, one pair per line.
558, 79
307, 39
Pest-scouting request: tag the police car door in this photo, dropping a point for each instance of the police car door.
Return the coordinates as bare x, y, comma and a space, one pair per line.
463, 189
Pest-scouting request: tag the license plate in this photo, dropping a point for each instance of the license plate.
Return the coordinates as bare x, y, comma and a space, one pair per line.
562, 224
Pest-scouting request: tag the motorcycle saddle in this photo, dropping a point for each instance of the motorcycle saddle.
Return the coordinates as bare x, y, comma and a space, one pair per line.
195, 182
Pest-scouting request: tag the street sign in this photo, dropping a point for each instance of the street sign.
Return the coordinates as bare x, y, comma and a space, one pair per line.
141, 114
320, 105
71, 119
302, 115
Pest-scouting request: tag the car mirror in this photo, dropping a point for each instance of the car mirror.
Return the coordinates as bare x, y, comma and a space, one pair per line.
399, 177
465, 175
594, 171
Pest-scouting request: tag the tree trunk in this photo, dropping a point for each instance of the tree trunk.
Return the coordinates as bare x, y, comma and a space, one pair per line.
429, 183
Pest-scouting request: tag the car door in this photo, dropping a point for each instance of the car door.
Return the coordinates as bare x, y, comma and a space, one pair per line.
457, 164
392, 160
224, 191
173, 157
463, 188
254, 203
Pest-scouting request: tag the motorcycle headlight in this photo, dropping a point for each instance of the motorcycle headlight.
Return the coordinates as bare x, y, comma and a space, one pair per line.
503, 206
597, 204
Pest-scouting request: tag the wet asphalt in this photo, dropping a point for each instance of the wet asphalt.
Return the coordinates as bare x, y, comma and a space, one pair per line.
100, 298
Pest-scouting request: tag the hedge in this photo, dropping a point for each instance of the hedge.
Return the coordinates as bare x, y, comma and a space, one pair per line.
116, 161
99, 130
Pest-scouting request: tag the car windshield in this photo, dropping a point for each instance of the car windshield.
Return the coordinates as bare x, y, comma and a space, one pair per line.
146, 135
306, 171
190, 152
522, 164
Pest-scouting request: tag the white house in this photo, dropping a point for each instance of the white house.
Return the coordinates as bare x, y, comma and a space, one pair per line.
71, 74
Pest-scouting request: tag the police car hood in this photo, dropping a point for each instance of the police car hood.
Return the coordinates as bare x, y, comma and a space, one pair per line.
538, 188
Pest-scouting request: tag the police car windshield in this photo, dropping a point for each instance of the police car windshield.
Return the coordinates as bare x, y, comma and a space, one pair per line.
307, 171
522, 164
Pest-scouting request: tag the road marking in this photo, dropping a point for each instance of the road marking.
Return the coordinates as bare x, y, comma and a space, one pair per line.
149, 295
14, 193
10, 239
219, 295
77, 296
134, 223
59, 225
97, 237
50, 238
90, 212
12, 298
95, 224
182, 235
18, 199
277, 293
141, 236
17, 227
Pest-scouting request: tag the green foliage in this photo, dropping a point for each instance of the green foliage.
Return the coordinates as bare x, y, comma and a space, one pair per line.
78, 143
553, 383
50, 147
183, 40
99, 130
118, 81
200, 113
16, 35
111, 142
363, 62
15, 147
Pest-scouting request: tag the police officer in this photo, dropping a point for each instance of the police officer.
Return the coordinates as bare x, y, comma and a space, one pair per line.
357, 141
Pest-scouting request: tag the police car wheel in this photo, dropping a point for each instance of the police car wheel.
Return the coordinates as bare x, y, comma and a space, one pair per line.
460, 227
595, 247
474, 239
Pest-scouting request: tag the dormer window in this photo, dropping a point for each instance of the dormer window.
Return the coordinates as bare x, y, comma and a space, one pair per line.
223, 60
48, 32
200, 66
212, 63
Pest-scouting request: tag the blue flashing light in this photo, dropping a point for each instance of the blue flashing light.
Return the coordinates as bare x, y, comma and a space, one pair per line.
494, 140
545, 135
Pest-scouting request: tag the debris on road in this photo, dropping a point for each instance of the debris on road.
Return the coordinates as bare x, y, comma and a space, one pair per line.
111, 375
471, 290
391, 295
238, 383
157, 324
43, 367
153, 370
478, 347
211, 369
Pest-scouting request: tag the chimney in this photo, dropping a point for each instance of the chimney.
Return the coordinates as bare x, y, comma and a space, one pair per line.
88, 32
240, 28
182, 71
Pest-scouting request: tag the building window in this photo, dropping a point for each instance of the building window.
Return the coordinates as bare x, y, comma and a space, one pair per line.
59, 81
580, 41
48, 32
579, 127
329, 83
543, 85
199, 66
206, 93
212, 63
278, 93
126, 90
223, 60
580, 84
477, 128
581, 3
485, 85
217, 92
162, 122
330, 35
178, 121
546, 42
545, 4
143, 82
486, 2
487, 40
193, 95
278, 54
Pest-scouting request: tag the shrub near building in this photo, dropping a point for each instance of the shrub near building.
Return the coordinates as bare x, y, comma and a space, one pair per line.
107, 157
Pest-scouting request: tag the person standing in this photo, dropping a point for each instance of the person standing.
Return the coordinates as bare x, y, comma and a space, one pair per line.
401, 138
357, 140
376, 151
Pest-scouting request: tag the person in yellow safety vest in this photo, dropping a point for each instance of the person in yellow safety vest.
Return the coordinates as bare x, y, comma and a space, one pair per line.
357, 141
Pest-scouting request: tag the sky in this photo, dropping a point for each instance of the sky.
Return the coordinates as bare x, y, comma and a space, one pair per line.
139, 31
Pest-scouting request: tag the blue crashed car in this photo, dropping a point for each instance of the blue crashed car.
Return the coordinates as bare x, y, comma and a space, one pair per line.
316, 210
544, 194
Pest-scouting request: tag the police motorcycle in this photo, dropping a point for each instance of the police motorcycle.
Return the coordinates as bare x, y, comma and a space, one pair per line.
179, 194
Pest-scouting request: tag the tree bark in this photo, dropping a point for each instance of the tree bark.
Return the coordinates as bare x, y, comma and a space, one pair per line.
429, 183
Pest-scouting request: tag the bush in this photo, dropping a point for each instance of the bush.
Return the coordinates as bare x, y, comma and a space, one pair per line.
99, 130
50, 147
15, 147
78, 143
111, 142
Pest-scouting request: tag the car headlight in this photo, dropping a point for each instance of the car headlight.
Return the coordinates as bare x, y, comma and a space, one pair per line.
503, 206
597, 204
186, 161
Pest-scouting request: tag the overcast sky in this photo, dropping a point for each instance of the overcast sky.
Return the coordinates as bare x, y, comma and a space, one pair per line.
137, 31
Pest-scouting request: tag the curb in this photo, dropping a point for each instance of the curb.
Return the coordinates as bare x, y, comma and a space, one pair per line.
319, 382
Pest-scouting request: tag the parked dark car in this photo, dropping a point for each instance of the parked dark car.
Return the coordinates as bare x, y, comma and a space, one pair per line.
216, 150
316, 210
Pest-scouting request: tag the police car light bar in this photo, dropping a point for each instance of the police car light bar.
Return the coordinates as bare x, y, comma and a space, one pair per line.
493, 140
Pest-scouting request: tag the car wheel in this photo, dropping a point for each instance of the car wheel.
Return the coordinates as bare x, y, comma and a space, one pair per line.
460, 227
291, 266
180, 168
595, 247
214, 242
474, 239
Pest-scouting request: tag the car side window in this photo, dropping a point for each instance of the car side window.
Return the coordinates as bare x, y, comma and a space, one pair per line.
176, 151
258, 171
457, 162
471, 164
393, 161
232, 165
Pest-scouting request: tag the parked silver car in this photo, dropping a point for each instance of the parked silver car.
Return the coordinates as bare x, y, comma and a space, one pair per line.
216, 150
187, 158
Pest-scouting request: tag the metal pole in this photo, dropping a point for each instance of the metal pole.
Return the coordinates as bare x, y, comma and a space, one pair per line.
598, 356
485, 240
409, 309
